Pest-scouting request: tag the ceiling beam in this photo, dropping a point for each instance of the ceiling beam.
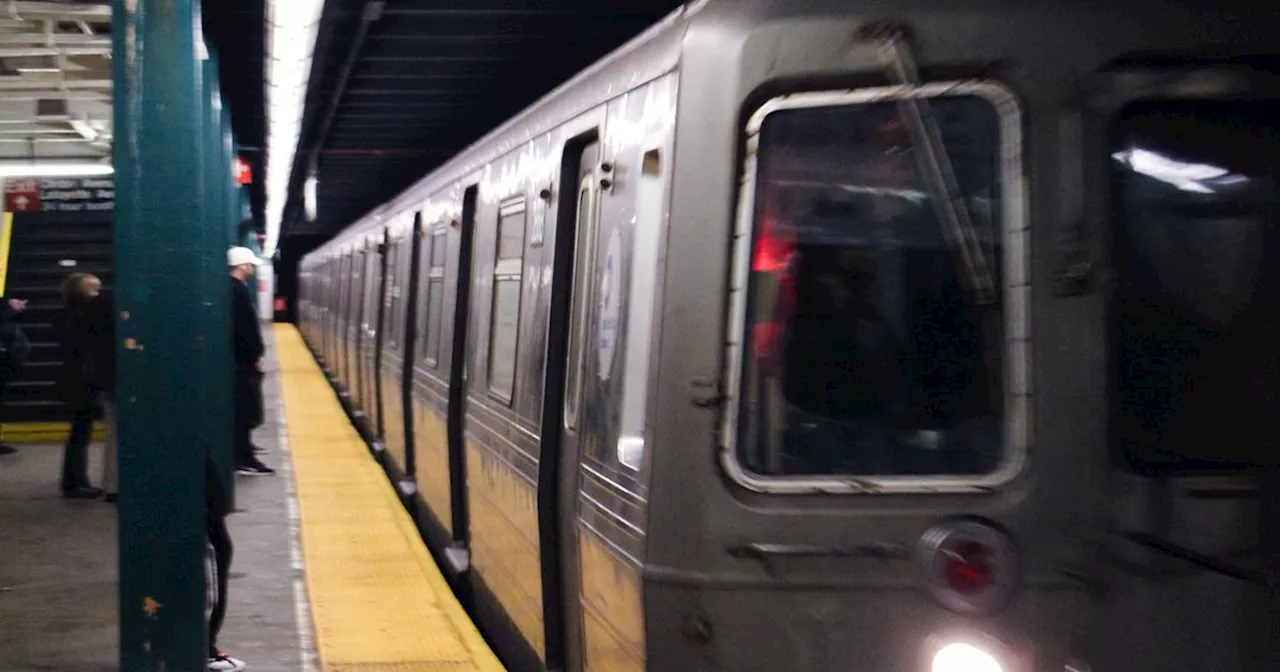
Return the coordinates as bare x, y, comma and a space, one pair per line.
52, 88
43, 94
57, 40
58, 11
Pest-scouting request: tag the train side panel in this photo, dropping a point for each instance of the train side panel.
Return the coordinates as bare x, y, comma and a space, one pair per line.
504, 387
438, 279
394, 339
622, 295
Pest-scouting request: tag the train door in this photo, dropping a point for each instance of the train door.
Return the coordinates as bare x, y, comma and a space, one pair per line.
391, 347
375, 284
349, 317
568, 340
458, 361
367, 297
356, 263
410, 353
330, 314
1189, 563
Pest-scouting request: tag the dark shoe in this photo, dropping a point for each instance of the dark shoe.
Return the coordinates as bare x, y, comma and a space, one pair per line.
256, 468
110, 498
7, 449
82, 493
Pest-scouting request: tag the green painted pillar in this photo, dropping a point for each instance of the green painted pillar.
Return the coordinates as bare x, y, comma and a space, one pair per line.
217, 336
159, 257
231, 215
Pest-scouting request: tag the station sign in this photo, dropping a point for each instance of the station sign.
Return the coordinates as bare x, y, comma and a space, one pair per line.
62, 194
22, 196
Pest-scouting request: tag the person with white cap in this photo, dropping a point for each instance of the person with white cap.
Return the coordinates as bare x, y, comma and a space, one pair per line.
247, 349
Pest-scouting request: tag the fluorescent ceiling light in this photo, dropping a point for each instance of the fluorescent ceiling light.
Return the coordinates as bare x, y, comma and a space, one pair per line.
309, 197
25, 70
291, 41
46, 169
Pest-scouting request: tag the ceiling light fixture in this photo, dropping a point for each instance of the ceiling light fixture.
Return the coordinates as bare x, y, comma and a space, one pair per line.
292, 26
53, 169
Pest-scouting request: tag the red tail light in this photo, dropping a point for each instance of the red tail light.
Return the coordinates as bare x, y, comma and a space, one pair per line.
967, 567
970, 566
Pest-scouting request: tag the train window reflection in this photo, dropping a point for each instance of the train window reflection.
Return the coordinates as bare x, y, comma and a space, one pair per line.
431, 286
393, 302
866, 354
1198, 259
502, 349
505, 327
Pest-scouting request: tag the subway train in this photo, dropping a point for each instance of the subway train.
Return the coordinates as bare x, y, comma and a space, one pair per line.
926, 335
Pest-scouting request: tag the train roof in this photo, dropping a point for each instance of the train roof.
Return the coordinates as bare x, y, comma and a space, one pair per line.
1083, 34
649, 55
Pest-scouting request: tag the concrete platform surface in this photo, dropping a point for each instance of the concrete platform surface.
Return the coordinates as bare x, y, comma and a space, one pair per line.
58, 571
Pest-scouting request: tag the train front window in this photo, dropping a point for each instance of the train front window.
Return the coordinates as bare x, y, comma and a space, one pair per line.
869, 349
1197, 252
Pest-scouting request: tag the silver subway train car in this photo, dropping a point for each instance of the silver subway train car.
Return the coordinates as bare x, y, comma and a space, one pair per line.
836, 335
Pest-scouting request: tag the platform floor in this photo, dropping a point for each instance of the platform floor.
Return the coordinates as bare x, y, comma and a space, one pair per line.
58, 565
379, 603
329, 572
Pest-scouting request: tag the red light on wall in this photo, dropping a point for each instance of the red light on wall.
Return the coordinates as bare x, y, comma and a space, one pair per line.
242, 172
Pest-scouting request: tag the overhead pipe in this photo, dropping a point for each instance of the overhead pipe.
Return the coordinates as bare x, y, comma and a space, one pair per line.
372, 12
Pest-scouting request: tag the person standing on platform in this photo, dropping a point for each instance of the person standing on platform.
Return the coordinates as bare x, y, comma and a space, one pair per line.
14, 349
217, 568
247, 350
78, 292
100, 373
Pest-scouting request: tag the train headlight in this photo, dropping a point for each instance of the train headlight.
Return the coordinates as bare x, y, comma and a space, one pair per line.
965, 657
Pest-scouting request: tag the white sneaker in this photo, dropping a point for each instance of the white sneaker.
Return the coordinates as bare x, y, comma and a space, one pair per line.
224, 663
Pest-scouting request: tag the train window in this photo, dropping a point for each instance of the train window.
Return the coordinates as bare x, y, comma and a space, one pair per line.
435, 298
1197, 308
873, 315
505, 323
425, 243
643, 293
392, 303
582, 270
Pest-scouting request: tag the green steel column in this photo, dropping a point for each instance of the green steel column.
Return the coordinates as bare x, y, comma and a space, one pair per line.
158, 261
218, 409
231, 215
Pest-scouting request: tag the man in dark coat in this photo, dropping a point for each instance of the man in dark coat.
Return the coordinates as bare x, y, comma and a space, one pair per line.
247, 351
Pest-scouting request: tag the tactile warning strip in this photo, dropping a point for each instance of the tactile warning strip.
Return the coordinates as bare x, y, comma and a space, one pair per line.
378, 601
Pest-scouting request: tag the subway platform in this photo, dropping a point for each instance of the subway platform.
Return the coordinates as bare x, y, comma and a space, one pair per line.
329, 571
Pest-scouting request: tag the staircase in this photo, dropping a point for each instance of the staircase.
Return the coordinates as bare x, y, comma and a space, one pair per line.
45, 248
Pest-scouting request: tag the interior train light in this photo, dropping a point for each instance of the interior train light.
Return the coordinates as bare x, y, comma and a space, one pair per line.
970, 566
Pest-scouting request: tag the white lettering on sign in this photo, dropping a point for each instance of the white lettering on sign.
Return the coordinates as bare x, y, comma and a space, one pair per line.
608, 305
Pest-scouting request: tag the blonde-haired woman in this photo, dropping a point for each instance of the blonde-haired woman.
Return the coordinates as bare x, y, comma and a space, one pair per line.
88, 382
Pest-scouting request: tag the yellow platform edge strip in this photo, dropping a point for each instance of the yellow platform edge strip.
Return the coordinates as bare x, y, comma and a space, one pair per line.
378, 600
41, 432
